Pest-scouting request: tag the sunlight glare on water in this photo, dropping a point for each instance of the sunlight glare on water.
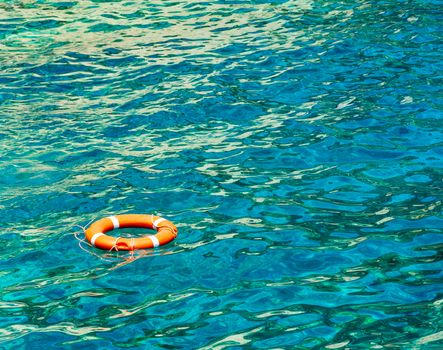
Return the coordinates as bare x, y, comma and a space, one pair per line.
297, 146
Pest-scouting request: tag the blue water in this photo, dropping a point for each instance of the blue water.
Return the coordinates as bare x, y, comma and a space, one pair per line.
297, 146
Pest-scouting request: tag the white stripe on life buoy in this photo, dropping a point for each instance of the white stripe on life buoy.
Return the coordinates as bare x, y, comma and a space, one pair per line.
155, 241
114, 221
94, 238
156, 222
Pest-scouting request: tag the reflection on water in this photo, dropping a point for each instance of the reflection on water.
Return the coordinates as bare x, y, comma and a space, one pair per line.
297, 145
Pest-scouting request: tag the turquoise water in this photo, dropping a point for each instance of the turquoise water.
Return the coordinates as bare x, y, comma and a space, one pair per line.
297, 146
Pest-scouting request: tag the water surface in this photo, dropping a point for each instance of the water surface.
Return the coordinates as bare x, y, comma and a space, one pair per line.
297, 145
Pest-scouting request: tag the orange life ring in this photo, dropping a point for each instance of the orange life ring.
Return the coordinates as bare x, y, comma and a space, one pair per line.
95, 234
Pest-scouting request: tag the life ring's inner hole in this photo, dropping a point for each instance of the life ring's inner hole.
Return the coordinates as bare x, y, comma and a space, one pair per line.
131, 232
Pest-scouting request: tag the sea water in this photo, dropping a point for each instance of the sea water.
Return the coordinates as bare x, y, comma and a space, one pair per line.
297, 146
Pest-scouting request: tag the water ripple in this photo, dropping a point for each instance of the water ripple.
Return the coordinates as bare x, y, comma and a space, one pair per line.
296, 144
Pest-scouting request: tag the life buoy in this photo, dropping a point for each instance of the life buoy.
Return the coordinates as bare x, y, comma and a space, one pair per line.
95, 234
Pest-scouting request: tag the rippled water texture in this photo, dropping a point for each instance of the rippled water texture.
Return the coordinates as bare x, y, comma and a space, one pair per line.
297, 145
